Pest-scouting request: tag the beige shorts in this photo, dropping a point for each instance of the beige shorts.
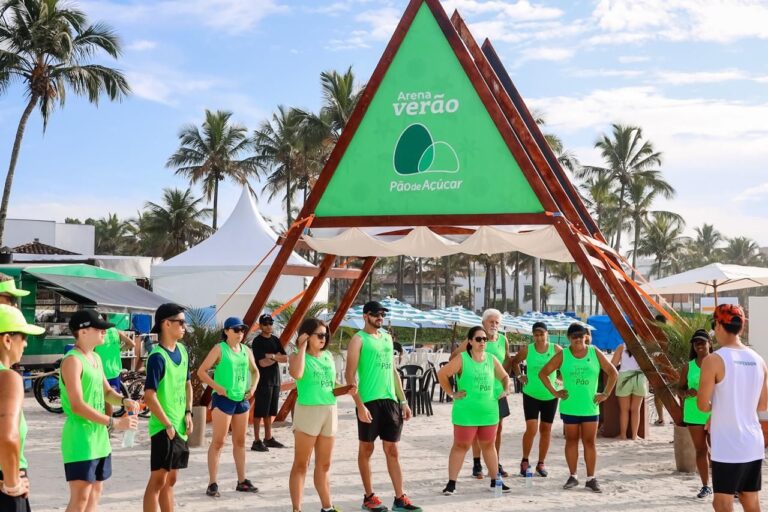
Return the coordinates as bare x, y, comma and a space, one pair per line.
631, 383
315, 420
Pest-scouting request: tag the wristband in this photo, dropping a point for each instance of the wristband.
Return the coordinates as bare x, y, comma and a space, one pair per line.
189, 412
111, 423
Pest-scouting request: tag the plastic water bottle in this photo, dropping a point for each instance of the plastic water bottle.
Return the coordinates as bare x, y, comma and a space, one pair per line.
529, 477
129, 436
498, 486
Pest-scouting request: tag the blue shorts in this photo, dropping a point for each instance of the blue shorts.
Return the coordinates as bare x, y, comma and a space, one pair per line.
115, 384
96, 470
570, 419
228, 406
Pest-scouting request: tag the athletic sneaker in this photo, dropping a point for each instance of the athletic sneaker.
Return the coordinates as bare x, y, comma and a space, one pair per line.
450, 489
273, 443
403, 504
246, 486
477, 470
504, 488
258, 446
571, 483
502, 472
524, 467
373, 503
541, 470
704, 492
593, 485
332, 509
213, 490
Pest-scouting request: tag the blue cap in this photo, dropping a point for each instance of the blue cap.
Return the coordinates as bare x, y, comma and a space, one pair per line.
233, 322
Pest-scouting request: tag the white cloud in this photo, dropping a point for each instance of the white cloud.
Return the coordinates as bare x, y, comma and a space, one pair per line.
522, 10
549, 54
607, 73
166, 86
379, 24
141, 45
699, 77
633, 59
754, 193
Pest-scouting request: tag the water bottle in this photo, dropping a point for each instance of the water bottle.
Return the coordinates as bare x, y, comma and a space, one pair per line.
129, 436
529, 477
498, 486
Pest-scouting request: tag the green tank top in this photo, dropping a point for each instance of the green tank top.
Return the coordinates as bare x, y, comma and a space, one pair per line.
498, 350
534, 362
172, 392
691, 412
375, 368
109, 351
580, 380
232, 372
480, 407
22, 434
82, 439
315, 387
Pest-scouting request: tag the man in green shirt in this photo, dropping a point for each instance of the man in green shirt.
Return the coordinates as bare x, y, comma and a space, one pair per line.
110, 352
381, 405
168, 394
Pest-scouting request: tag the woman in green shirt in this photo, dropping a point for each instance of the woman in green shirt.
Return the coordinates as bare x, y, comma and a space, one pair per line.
580, 365
85, 446
14, 486
475, 411
694, 418
234, 383
315, 418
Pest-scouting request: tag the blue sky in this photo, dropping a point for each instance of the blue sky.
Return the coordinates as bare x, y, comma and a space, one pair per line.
692, 74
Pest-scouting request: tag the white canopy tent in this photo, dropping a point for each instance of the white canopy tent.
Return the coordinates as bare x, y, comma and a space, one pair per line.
712, 278
209, 272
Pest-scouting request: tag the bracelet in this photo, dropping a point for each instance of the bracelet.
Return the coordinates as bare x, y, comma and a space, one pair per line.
17, 490
111, 423
189, 412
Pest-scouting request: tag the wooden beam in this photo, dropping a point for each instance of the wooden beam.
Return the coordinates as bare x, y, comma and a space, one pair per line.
335, 273
351, 294
490, 219
307, 299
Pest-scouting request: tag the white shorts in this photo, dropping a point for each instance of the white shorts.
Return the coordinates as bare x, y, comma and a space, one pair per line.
316, 420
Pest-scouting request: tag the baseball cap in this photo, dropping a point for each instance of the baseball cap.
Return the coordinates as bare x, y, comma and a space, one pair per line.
166, 310
576, 328
373, 307
700, 335
539, 325
9, 287
233, 322
266, 318
730, 314
12, 320
88, 318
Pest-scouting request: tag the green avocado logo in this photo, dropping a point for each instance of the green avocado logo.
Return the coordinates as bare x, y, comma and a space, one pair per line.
417, 152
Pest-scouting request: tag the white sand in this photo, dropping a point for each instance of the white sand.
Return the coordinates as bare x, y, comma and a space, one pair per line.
634, 476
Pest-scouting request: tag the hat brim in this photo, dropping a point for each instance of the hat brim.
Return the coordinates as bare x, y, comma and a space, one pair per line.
32, 330
236, 325
16, 292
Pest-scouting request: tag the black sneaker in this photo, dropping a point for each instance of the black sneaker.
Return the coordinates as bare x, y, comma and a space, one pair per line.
403, 504
540, 469
571, 483
524, 467
273, 443
704, 492
333, 509
450, 489
246, 486
477, 470
504, 488
213, 490
502, 472
593, 485
259, 446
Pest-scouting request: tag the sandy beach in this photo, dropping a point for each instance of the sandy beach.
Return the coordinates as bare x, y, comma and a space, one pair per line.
634, 476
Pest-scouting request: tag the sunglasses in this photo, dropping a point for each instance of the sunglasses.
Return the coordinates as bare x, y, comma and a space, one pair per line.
179, 321
321, 335
238, 329
379, 314
266, 323
480, 339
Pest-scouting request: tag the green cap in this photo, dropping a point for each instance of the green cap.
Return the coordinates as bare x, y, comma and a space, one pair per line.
12, 320
9, 287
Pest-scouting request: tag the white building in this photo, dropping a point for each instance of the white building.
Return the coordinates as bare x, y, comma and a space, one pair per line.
77, 238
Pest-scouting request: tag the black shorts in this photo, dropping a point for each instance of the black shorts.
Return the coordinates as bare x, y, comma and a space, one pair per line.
168, 454
96, 470
387, 422
730, 478
503, 408
265, 401
533, 409
13, 503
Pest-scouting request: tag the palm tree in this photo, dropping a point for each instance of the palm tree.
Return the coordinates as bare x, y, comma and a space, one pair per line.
706, 243
340, 95
743, 251
628, 158
642, 194
112, 235
46, 45
213, 155
546, 291
599, 194
179, 220
662, 238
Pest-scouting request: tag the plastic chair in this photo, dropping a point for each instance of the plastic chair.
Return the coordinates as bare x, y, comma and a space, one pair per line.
452, 381
409, 374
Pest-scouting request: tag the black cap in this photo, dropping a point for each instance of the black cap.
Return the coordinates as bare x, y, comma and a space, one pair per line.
88, 318
266, 318
539, 325
576, 328
166, 310
374, 307
700, 335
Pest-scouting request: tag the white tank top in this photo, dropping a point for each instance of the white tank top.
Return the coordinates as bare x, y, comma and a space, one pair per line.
628, 364
735, 430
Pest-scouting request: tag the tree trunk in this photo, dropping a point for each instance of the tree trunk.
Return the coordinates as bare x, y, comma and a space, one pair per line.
400, 276
516, 290
448, 290
535, 288
503, 269
370, 285
634, 248
567, 285
436, 291
288, 196
487, 288
215, 200
493, 285
12, 166
583, 290
420, 300
573, 287
471, 288
620, 224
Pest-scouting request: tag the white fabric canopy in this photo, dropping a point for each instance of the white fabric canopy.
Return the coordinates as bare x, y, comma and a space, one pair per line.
422, 242
710, 278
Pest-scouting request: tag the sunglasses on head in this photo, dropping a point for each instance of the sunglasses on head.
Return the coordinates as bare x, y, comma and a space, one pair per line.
378, 314
480, 339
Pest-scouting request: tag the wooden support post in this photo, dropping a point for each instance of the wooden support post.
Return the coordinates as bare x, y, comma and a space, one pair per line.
306, 300
270, 280
351, 294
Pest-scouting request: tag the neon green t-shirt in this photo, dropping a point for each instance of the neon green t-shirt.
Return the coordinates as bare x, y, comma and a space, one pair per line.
315, 387
691, 412
580, 376
232, 372
480, 407
534, 362
375, 370
109, 351
172, 392
497, 349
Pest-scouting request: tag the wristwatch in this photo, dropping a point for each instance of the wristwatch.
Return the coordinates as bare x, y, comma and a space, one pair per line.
189, 412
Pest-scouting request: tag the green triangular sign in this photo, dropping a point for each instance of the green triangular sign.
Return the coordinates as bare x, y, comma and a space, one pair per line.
426, 144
